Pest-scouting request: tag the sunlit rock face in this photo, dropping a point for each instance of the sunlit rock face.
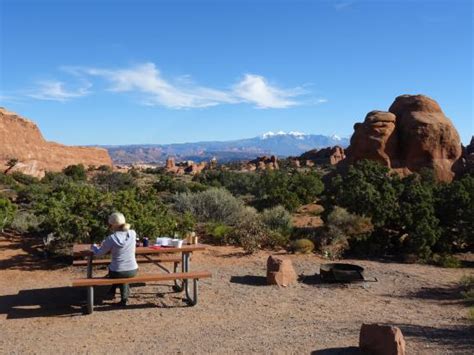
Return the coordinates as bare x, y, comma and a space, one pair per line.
22, 140
412, 135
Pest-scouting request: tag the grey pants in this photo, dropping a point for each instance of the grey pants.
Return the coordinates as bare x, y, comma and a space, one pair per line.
124, 288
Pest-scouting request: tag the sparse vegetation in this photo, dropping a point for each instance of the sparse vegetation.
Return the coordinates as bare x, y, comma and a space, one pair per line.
367, 211
304, 246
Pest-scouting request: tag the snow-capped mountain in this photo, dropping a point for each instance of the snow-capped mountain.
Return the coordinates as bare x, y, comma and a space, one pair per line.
279, 143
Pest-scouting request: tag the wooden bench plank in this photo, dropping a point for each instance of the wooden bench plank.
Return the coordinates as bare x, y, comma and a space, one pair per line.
140, 260
99, 281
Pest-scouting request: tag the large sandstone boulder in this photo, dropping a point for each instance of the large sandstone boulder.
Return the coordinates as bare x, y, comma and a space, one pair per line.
374, 139
377, 339
21, 139
280, 271
414, 134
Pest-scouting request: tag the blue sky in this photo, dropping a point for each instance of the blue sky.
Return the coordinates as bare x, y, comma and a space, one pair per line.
124, 72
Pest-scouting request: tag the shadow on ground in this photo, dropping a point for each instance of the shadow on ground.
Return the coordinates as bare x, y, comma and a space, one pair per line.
337, 351
69, 302
458, 338
249, 280
33, 258
45, 302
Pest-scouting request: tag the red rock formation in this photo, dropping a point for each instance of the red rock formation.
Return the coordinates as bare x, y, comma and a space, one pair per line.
381, 340
414, 134
21, 139
330, 155
187, 167
170, 163
262, 163
465, 165
280, 271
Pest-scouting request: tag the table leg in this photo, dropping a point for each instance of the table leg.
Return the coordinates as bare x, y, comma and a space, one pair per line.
90, 290
191, 300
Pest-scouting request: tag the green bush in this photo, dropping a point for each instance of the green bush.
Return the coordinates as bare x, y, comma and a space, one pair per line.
25, 222
289, 189
7, 213
277, 219
276, 240
342, 231
76, 172
212, 205
219, 233
114, 181
24, 179
304, 246
166, 183
445, 260
249, 232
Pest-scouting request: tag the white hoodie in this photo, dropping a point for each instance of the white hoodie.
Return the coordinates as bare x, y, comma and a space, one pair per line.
122, 247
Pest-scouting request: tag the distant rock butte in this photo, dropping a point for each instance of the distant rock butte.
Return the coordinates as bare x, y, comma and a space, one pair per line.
325, 156
21, 139
412, 135
262, 163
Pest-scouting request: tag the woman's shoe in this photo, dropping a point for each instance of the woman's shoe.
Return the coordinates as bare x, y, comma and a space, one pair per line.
122, 303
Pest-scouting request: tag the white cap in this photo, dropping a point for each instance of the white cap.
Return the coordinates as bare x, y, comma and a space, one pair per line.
117, 219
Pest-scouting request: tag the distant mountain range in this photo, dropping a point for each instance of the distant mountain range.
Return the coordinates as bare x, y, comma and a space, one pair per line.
281, 144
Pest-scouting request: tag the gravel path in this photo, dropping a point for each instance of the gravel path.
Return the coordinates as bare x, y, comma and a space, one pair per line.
40, 314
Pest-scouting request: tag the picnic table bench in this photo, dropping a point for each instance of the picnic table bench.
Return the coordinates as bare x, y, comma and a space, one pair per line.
153, 255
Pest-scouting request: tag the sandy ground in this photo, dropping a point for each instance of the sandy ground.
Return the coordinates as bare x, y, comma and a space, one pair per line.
40, 313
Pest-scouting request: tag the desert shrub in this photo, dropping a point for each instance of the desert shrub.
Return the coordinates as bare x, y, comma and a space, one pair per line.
454, 207
114, 181
342, 228
76, 172
25, 222
196, 187
7, 213
216, 205
24, 179
289, 189
8, 180
445, 260
166, 183
249, 232
277, 219
276, 240
185, 223
304, 246
105, 168
366, 189
148, 215
418, 220
219, 233
55, 179
237, 183
467, 283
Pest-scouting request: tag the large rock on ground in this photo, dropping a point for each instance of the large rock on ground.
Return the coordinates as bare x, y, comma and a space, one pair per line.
21, 139
414, 134
280, 271
377, 339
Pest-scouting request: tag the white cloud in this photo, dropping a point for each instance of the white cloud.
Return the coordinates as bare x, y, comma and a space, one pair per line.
255, 89
55, 91
146, 78
176, 93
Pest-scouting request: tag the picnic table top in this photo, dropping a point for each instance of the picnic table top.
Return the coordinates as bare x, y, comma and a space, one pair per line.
79, 250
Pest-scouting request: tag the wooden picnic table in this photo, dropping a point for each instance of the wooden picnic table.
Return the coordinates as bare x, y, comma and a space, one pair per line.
84, 251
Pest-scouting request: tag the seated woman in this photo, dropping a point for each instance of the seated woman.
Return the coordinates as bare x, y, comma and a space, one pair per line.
121, 244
